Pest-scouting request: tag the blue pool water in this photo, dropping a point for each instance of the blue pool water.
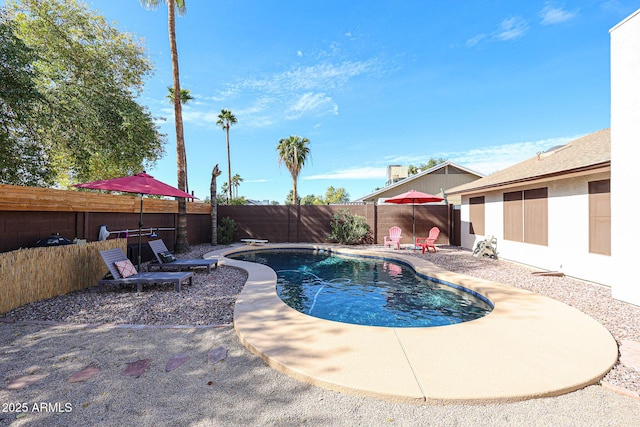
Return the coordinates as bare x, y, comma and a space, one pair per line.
365, 291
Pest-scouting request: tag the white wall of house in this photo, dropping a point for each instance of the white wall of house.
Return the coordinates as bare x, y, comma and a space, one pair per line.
568, 231
625, 140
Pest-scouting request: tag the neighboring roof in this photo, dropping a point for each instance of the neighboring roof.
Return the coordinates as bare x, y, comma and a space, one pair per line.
418, 176
588, 152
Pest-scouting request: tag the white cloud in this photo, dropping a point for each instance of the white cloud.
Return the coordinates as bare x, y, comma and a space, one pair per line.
353, 173
201, 117
321, 76
488, 160
616, 7
310, 86
485, 160
511, 29
554, 15
475, 40
311, 102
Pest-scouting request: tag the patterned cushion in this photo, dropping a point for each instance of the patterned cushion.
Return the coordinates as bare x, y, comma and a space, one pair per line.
125, 268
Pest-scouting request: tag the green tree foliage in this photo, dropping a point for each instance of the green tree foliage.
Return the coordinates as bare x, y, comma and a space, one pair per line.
88, 125
336, 195
310, 199
289, 199
293, 152
22, 161
332, 195
185, 95
413, 170
239, 201
349, 229
236, 180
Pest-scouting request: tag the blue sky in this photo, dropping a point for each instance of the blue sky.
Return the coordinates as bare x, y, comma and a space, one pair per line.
483, 84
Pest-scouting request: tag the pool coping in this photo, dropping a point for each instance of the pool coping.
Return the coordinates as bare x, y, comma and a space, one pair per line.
529, 346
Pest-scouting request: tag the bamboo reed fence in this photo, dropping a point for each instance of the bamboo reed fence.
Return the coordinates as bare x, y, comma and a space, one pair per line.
28, 275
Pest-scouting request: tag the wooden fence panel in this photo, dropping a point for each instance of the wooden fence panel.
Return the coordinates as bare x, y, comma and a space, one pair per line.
28, 214
18, 198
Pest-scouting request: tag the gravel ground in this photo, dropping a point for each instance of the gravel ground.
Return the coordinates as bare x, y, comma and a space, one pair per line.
209, 301
242, 389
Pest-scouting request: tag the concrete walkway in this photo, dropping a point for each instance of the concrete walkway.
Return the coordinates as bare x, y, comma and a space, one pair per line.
528, 346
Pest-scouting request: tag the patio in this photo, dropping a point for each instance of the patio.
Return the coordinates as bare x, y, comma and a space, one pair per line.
529, 346
243, 389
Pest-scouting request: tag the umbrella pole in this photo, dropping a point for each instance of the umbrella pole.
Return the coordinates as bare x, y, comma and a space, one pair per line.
140, 235
413, 215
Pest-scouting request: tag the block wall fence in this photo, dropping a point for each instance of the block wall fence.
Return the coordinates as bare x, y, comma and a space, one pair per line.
28, 214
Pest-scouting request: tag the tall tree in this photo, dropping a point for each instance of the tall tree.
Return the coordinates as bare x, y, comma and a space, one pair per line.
84, 124
235, 181
215, 173
293, 152
225, 120
225, 191
185, 97
21, 160
182, 241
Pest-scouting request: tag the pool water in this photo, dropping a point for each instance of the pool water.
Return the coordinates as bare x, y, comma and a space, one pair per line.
365, 291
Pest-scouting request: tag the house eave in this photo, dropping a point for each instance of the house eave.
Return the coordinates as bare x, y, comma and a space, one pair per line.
585, 170
416, 177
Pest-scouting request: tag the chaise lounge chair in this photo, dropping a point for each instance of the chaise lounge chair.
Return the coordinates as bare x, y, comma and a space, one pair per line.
394, 237
168, 262
123, 271
428, 242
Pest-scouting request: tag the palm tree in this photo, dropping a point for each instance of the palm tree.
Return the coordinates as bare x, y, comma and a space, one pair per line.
225, 120
293, 152
185, 97
225, 190
182, 241
235, 182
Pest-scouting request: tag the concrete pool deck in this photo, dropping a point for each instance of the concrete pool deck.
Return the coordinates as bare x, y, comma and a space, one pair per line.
528, 346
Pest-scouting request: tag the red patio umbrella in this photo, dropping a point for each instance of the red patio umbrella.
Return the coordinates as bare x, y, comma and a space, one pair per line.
413, 197
141, 183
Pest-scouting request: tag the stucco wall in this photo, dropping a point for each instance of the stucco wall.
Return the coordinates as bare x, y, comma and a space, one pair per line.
568, 232
625, 136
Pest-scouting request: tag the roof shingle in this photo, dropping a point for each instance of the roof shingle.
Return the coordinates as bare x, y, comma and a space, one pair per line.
588, 151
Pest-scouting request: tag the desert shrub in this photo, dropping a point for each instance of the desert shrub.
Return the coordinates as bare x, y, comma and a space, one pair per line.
227, 227
349, 229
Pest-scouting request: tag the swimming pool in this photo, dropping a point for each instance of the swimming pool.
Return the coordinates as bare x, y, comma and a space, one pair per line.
365, 291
